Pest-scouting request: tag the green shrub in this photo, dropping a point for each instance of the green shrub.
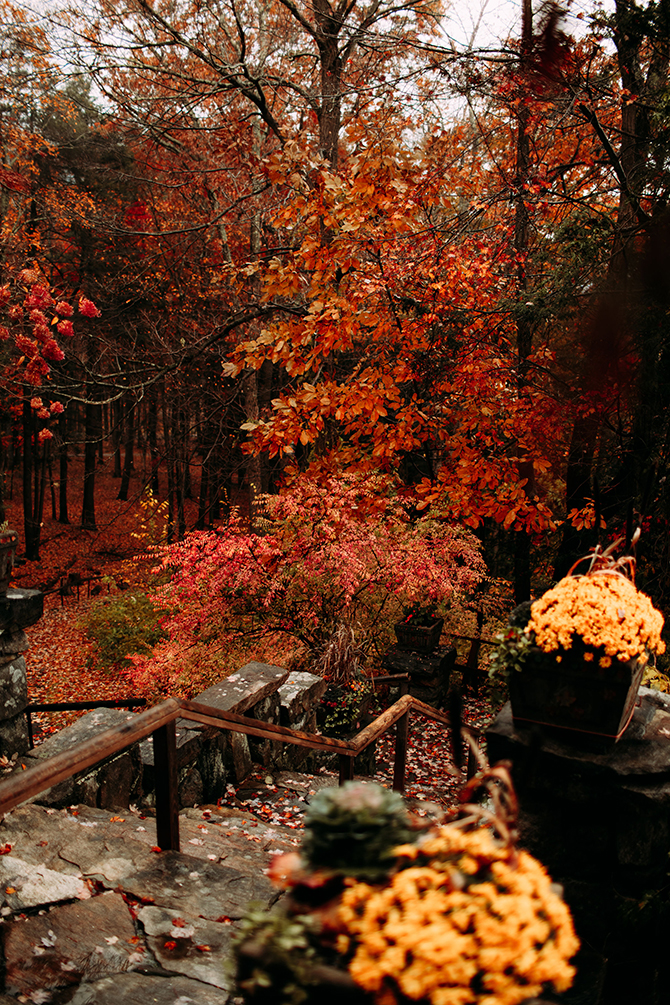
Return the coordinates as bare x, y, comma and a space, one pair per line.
123, 625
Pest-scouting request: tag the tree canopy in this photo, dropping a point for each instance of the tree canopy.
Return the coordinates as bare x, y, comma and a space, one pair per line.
324, 239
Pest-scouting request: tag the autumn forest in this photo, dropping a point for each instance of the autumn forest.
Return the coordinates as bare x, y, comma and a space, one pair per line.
312, 264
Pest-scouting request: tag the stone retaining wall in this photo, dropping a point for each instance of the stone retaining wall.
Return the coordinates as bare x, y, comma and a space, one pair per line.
207, 757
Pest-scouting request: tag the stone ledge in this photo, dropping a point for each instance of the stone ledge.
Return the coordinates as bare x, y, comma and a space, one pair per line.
113, 783
205, 755
299, 696
20, 608
244, 688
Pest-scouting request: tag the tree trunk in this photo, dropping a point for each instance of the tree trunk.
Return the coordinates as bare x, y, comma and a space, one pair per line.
254, 481
170, 466
52, 489
178, 436
152, 422
332, 66
524, 331
616, 323
129, 428
31, 523
92, 435
203, 508
117, 422
62, 468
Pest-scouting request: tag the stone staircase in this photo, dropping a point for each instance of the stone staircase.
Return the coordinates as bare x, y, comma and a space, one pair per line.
93, 914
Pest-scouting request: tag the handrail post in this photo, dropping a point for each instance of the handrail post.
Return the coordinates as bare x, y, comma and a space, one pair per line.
167, 799
346, 768
401, 737
472, 766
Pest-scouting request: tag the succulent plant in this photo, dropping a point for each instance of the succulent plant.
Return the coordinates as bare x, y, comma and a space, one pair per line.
354, 829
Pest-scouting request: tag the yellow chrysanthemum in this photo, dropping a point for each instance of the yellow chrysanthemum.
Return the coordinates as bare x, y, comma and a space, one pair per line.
605, 610
465, 920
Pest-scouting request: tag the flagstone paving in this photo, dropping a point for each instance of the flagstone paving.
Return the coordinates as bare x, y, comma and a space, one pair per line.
92, 913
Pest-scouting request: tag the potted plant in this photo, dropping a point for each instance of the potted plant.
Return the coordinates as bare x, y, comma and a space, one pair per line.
420, 629
383, 912
574, 659
9, 542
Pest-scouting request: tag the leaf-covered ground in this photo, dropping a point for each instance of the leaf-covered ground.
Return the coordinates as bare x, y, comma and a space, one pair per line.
58, 661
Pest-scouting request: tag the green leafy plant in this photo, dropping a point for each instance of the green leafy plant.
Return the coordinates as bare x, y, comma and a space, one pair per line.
122, 626
276, 966
511, 652
341, 705
354, 829
513, 648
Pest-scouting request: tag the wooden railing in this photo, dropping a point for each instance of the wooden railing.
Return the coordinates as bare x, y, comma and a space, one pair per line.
159, 722
76, 706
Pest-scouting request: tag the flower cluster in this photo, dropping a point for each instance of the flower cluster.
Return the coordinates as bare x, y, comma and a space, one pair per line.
459, 917
604, 610
463, 920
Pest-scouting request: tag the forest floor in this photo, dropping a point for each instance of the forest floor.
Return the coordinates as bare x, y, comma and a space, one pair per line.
60, 662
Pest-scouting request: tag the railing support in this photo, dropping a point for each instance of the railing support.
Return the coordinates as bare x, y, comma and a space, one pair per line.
346, 768
472, 766
167, 797
401, 736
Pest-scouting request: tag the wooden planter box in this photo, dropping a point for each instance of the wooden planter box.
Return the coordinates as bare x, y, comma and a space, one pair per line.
575, 694
420, 638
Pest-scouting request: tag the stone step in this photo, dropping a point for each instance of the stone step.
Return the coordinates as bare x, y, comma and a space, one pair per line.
90, 911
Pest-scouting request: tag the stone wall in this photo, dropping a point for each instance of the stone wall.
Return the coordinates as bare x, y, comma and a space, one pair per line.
207, 757
18, 610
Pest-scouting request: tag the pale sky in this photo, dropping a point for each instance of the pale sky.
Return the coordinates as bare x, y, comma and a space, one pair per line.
482, 22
